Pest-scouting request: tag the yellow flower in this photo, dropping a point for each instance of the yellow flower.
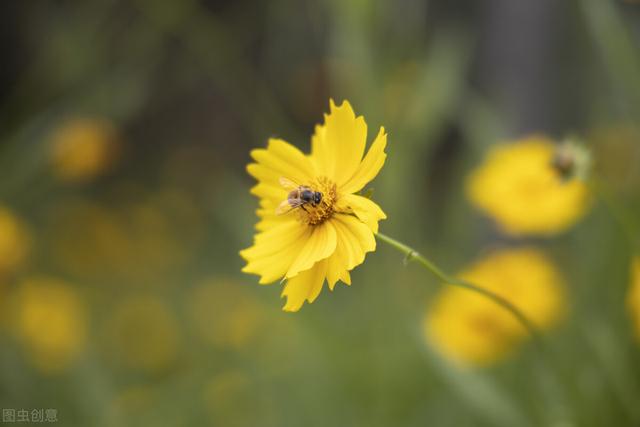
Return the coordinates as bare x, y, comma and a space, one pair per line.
472, 329
330, 234
633, 297
83, 148
51, 322
520, 188
14, 241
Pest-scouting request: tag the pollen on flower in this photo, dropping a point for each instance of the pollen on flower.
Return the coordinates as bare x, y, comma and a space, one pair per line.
314, 215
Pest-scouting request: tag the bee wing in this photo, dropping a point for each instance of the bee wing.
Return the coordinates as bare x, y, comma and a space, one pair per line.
286, 206
288, 184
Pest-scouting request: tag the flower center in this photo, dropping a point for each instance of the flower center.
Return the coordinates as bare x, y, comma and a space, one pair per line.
317, 213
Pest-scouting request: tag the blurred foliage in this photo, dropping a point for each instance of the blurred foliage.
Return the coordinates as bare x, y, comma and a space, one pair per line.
125, 129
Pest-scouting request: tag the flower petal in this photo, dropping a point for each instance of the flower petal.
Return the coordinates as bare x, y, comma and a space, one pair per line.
320, 244
345, 277
269, 219
337, 146
274, 250
354, 240
336, 263
305, 286
370, 166
365, 209
280, 159
267, 214
269, 192
263, 173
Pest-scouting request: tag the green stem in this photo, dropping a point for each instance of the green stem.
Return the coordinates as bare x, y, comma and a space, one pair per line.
618, 212
413, 255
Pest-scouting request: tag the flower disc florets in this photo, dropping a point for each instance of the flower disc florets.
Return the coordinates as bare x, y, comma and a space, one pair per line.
317, 214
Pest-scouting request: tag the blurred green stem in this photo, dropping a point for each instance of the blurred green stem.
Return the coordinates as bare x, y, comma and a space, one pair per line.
619, 213
413, 255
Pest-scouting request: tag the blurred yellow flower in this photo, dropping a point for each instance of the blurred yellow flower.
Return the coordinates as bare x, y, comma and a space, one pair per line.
51, 322
14, 241
83, 148
224, 314
142, 334
633, 297
472, 329
312, 224
519, 187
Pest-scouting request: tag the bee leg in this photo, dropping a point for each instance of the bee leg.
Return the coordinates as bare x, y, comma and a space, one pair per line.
303, 208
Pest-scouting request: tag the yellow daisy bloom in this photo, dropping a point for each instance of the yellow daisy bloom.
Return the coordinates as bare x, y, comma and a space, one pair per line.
14, 241
521, 186
83, 148
633, 297
50, 319
473, 329
313, 227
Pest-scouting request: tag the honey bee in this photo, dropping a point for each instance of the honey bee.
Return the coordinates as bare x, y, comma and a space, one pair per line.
299, 196
563, 161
